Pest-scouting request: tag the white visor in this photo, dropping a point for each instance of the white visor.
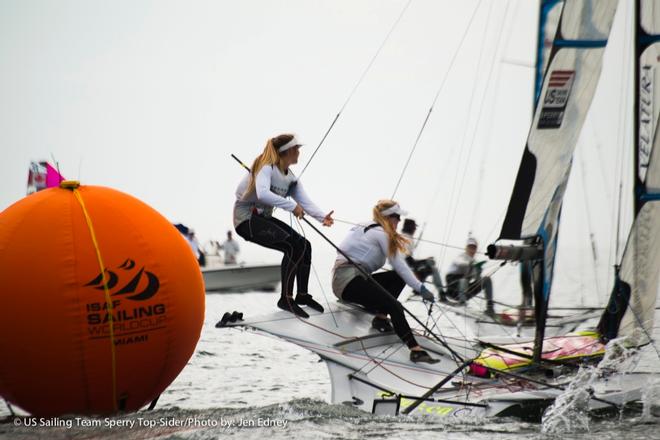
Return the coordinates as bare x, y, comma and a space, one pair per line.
396, 209
292, 143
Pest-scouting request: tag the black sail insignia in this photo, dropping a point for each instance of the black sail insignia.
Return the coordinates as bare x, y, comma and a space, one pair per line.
98, 281
128, 264
131, 287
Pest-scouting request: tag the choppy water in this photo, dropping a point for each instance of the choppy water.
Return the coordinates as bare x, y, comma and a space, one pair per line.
242, 385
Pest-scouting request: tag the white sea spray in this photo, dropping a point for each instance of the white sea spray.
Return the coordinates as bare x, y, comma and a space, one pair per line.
570, 411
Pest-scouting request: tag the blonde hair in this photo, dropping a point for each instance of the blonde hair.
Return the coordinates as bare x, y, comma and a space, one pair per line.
397, 242
269, 156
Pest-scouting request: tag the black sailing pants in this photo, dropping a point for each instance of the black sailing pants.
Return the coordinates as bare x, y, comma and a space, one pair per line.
364, 292
272, 233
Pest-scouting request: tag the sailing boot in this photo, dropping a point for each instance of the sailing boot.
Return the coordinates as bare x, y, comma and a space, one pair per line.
288, 304
381, 324
305, 299
224, 320
422, 356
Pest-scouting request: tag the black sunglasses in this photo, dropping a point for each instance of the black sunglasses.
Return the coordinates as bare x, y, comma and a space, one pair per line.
396, 216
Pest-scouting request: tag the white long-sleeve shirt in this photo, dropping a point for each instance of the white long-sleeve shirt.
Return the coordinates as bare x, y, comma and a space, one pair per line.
231, 249
271, 187
461, 265
370, 250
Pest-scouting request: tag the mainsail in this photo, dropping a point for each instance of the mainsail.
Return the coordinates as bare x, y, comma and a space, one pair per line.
631, 308
569, 84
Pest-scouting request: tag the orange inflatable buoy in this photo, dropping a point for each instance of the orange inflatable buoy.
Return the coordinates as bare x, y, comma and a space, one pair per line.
102, 302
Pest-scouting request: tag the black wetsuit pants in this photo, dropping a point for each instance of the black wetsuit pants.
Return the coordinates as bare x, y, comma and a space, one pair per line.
364, 292
272, 233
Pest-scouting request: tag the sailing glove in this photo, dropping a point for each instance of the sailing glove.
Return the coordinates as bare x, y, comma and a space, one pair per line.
426, 294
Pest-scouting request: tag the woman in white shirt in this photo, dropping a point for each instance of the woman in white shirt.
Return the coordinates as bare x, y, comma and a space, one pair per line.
268, 186
369, 246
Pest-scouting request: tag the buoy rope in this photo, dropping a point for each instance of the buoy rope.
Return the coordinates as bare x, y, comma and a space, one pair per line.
108, 302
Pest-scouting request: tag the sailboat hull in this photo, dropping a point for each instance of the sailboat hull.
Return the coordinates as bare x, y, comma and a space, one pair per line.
372, 372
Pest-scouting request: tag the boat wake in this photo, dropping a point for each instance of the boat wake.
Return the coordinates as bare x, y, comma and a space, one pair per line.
570, 411
651, 402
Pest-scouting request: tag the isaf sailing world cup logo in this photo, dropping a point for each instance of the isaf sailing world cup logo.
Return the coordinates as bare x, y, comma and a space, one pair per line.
130, 288
131, 320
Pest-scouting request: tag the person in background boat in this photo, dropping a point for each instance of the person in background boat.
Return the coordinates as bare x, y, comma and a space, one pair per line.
231, 249
423, 267
268, 186
369, 246
189, 236
464, 279
194, 244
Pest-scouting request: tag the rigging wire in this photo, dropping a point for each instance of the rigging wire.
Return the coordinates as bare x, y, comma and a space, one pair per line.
489, 128
498, 223
477, 199
301, 231
441, 175
435, 99
455, 198
441, 311
357, 84
594, 253
368, 276
418, 240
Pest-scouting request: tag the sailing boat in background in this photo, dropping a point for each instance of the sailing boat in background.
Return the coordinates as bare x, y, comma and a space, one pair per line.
369, 370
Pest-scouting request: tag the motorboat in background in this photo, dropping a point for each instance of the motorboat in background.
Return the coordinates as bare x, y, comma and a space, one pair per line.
221, 276
241, 277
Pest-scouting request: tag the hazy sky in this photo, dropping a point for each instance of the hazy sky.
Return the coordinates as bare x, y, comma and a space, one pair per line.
151, 97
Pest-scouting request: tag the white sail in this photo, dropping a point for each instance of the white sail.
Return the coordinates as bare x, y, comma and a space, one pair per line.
640, 266
568, 89
631, 310
649, 77
652, 183
639, 272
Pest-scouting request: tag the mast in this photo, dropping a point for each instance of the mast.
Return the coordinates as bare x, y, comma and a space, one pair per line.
636, 112
546, 30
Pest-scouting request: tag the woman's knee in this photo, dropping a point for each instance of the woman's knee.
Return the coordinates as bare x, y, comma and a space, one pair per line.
243, 230
303, 248
307, 253
392, 306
